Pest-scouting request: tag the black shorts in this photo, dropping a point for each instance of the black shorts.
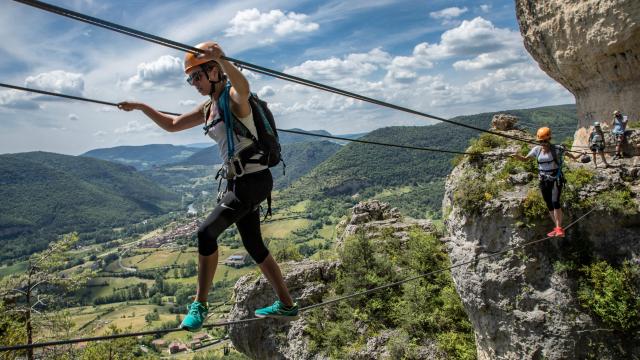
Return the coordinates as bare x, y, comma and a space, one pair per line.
551, 192
597, 147
240, 206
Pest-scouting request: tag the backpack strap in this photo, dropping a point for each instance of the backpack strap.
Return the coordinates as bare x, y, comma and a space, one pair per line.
223, 101
558, 160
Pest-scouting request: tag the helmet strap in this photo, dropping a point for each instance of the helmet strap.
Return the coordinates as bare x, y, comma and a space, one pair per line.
221, 78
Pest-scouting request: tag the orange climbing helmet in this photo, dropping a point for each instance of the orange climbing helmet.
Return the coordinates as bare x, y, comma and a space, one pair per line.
192, 60
543, 134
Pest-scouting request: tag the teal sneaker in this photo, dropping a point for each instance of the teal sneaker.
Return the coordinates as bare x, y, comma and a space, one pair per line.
196, 316
279, 311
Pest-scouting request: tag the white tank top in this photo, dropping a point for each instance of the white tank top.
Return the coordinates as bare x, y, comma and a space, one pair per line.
219, 134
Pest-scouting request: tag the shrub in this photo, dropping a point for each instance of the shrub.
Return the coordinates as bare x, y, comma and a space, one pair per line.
578, 177
486, 142
617, 201
533, 206
473, 191
458, 345
423, 308
611, 294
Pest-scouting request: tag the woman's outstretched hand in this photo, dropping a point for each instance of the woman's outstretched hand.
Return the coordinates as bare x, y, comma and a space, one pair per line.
129, 105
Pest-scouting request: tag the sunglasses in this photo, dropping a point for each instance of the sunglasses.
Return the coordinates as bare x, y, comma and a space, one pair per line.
196, 76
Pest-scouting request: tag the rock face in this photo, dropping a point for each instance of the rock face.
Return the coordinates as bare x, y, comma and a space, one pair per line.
372, 216
520, 305
274, 339
503, 122
591, 47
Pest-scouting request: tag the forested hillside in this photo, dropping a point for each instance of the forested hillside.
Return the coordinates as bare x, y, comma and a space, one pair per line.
43, 195
145, 156
410, 179
301, 158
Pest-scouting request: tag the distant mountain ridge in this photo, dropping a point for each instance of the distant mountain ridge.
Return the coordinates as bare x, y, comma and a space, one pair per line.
43, 195
144, 156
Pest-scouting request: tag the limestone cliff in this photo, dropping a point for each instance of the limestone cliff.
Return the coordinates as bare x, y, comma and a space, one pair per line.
524, 304
591, 47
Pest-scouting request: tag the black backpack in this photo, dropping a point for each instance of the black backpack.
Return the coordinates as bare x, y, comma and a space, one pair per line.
267, 141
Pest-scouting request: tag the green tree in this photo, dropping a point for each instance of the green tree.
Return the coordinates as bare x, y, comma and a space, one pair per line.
36, 292
118, 349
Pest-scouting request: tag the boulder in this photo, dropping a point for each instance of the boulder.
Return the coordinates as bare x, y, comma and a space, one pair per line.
503, 122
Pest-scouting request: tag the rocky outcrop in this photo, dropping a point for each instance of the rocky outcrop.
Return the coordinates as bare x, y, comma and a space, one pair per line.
503, 122
520, 304
373, 216
592, 48
274, 339
309, 282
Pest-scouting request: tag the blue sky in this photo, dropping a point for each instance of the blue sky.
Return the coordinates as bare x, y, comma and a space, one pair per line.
446, 58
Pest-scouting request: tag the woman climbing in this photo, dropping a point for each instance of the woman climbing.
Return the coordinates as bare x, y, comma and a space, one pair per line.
552, 180
249, 182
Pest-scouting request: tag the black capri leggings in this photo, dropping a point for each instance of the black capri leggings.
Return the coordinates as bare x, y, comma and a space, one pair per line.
551, 191
240, 205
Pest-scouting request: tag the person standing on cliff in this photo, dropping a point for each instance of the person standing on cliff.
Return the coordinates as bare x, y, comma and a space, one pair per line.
619, 127
552, 180
228, 91
597, 145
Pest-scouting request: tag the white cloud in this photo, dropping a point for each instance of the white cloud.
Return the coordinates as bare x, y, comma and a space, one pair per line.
405, 68
99, 133
165, 72
188, 103
73, 117
351, 66
448, 13
471, 38
134, 127
57, 81
266, 91
15, 99
106, 109
252, 21
522, 85
485, 7
492, 60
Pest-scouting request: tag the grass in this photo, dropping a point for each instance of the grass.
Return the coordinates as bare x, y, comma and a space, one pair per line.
392, 192
300, 207
132, 315
158, 259
284, 228
232, 274
327, 231
112, 283
13, 269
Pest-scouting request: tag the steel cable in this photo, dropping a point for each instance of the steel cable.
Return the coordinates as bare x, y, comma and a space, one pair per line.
370, 142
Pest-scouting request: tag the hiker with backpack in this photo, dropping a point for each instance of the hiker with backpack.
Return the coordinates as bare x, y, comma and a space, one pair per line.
238, 122
550, 158
619, 127
597, 144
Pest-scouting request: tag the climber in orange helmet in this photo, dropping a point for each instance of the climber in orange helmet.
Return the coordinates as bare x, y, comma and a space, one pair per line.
228, 92
552, 180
